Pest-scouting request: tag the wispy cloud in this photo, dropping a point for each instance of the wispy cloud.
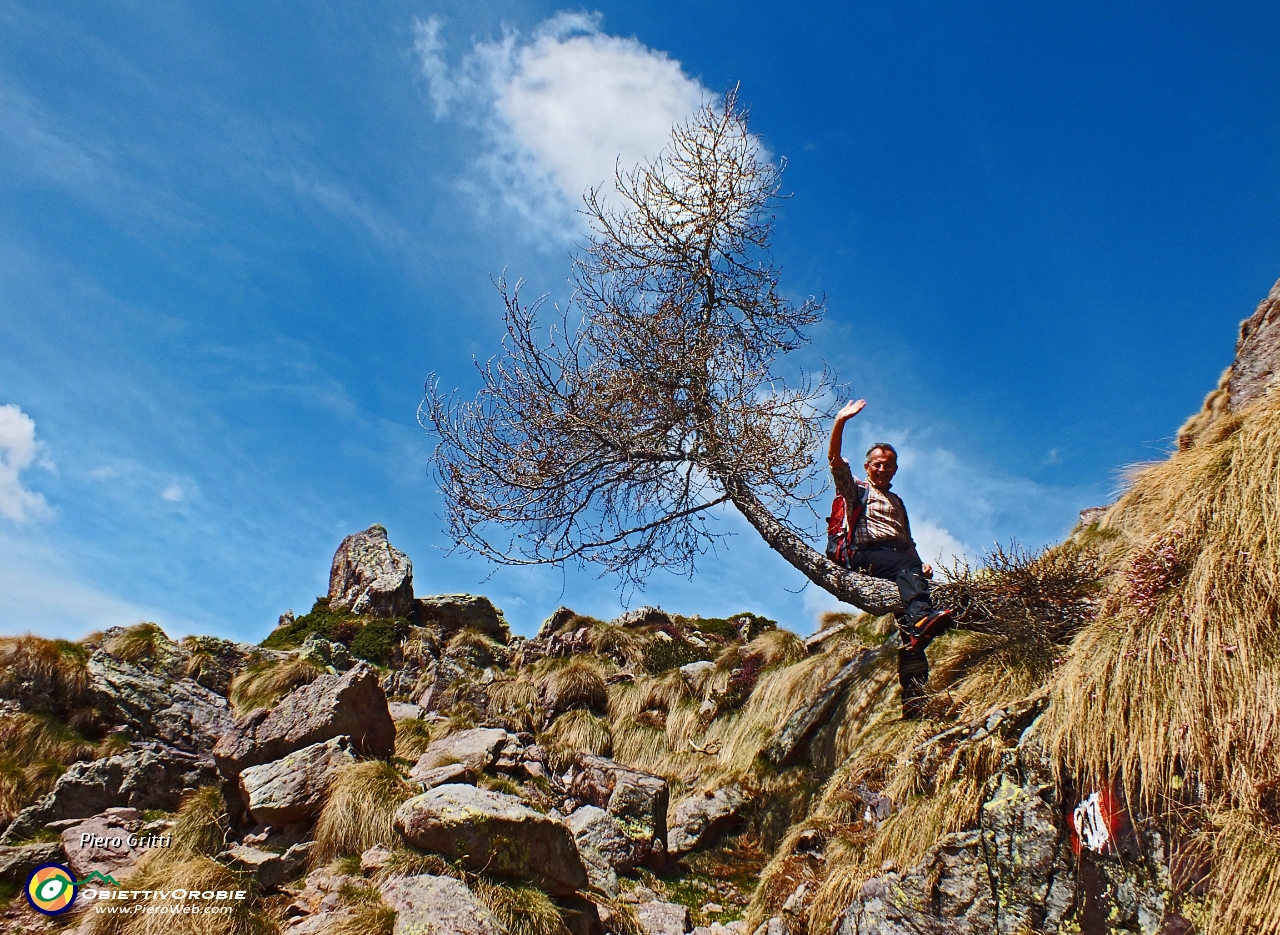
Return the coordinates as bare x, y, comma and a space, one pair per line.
20, 450
558, 110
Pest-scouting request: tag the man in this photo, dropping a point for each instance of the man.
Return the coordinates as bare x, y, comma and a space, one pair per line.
882, 547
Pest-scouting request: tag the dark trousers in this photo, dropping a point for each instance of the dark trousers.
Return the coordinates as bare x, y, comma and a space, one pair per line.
902, 566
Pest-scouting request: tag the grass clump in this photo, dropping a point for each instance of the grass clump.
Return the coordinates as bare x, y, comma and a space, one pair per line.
370, 918
43, 674
574, 732
520, 909
358, 808
142, 642
413, 736
247, 917
476, 648
35, 749
577, 685
264, 683
665, 652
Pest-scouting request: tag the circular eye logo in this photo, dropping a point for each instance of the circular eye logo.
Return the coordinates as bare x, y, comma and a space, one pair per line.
51, 889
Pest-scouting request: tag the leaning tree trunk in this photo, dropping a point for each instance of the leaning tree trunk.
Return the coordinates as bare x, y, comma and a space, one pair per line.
874, 595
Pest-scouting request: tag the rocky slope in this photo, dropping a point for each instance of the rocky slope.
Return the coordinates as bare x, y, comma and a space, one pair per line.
1099, 752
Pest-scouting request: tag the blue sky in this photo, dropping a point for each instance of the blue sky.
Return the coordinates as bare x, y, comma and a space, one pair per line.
235, 239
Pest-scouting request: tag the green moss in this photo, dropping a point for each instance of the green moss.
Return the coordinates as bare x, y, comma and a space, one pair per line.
727, 628
663, 655
373, 639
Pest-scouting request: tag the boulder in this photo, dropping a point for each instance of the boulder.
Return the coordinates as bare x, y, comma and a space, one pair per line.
405, 711
147, 775
326, 655
702, 817
266, 867
443, 775
431, 905
351, 703
477, 748
495, 833
293, 787
181, 713
16, 863
439, 680
454, 612
596, 829
659, 918
109, 843
636, 799
369, 576
374, 859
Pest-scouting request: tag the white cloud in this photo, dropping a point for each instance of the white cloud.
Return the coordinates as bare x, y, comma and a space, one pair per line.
19, 450
173, 494
558, 109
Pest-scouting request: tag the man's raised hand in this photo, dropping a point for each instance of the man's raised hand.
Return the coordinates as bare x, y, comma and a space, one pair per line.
851, 409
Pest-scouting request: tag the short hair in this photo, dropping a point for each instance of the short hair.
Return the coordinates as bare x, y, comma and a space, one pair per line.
882, 446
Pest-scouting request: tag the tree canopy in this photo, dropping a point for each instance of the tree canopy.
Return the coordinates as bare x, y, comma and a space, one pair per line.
613, 435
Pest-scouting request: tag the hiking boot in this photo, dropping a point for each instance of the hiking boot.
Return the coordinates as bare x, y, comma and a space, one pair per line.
926, 628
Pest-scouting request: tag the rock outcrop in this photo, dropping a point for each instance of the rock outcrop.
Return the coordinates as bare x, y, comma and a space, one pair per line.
1257, 353
181, 713
703, 817
477, 749
146, 776
293, 787
452, 613
350, 704
370, 576
110, 843
636, 799
493, 832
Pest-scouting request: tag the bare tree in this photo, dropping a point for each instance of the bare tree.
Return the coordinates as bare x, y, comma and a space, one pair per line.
614, 436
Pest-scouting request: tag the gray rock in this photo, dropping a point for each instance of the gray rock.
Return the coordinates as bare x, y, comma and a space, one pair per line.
1257, 362
404, 711
293, 787
495, 833
325, 654
147, 775
181, 713
369, 576
477, 748
596, 829
431, 905
267, 867
108, 842
638, 800
443, 775
455, 612
773, 926
659, 918
559, 618
440, 677
702, 817
351, 703
600, 873
17, 862
374, 859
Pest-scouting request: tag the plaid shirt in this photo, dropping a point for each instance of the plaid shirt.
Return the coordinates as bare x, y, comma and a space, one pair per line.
885, 518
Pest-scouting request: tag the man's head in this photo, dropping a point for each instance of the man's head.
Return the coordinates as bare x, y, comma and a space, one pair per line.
882, 464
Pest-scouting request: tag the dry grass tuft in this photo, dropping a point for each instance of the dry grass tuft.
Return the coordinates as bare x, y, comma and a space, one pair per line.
623, 646
578, 684
370, 918
520, 909
35, 749
32, 668
358, 808
1246, 876
477, 648
517, 702
200, 827
576, 731
775, 647
1181, 673
140, 642
413, 736
265, 683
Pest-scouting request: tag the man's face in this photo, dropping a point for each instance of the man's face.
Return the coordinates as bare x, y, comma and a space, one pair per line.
881, 467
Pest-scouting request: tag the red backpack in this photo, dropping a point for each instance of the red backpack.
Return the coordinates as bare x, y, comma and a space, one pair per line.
840, 547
